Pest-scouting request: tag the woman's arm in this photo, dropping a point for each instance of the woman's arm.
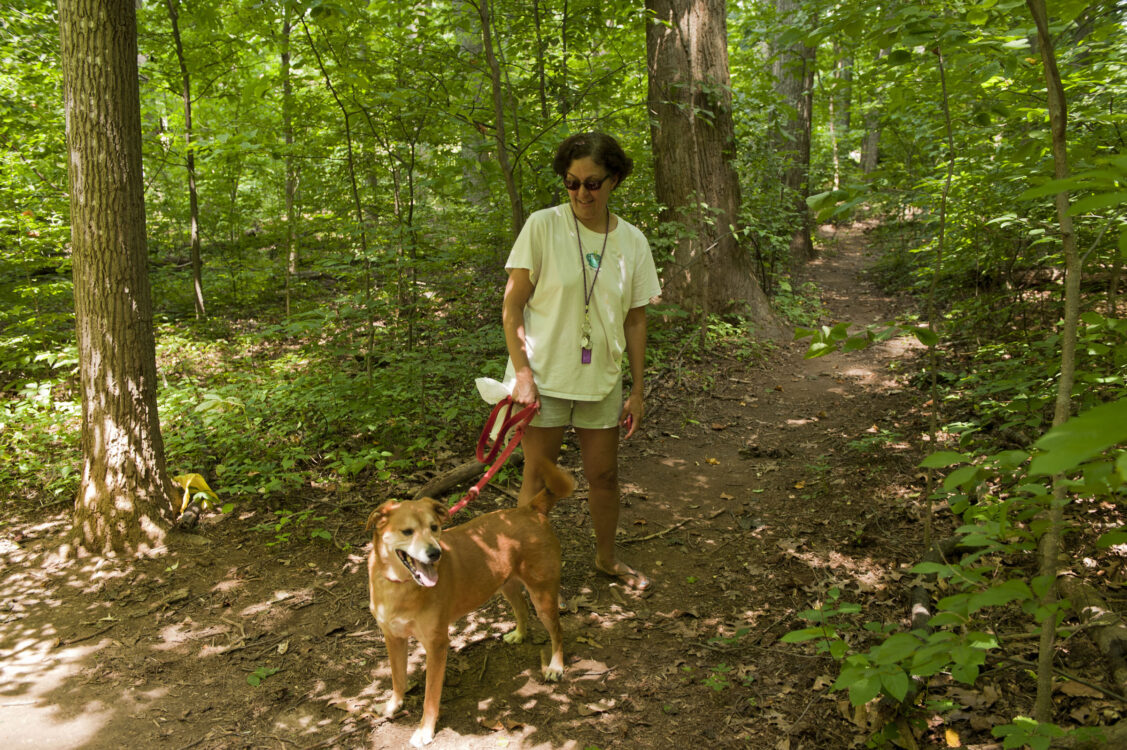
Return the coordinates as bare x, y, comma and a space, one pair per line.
517, 291
634, 408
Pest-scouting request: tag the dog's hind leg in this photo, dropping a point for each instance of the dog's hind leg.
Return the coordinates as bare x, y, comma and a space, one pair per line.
514, 595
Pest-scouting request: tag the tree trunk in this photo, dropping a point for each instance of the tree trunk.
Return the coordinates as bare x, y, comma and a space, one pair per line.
1050, 543
794, 83
841, 106
690, 103
193, 197
870, 143
125, 499
500, 137
291, 171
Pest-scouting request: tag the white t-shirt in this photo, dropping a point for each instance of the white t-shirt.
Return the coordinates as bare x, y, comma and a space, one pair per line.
553, 317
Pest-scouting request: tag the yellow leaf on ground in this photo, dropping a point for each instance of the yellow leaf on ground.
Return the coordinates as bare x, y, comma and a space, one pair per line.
952, 738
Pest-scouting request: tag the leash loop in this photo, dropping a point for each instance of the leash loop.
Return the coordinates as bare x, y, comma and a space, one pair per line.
500, 451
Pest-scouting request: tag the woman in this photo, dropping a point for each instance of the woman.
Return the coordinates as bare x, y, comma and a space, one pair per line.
579, 280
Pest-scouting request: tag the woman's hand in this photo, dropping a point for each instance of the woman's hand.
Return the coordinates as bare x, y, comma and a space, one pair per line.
632, 412
525, 392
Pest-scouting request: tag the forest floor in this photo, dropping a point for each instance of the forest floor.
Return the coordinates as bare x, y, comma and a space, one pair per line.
751, 492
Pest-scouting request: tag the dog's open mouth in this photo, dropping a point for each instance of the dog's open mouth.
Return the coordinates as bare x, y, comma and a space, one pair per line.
425, 574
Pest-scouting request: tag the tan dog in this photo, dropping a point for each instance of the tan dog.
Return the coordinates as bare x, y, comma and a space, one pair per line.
421, 580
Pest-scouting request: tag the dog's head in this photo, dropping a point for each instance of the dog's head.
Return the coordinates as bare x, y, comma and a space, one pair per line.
408, 531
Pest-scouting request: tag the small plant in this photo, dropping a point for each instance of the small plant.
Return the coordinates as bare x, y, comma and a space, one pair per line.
718, 679
255, 678
287, 521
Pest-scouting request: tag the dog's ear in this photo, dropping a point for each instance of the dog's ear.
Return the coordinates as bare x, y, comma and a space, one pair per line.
378, 516
440, 511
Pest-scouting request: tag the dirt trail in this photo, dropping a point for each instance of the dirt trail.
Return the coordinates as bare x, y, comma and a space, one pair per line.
751, 493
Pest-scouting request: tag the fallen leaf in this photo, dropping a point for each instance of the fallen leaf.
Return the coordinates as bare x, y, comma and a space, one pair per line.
952, 738
713, 461
1078, 690
799, 485
601, 707
718, 427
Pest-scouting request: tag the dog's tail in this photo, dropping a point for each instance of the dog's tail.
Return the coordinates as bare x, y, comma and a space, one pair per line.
558, 484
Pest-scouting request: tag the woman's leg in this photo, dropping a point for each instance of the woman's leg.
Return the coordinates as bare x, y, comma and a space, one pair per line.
538, 443
599, 449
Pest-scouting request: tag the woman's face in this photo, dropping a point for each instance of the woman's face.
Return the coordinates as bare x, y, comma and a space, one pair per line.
590, 206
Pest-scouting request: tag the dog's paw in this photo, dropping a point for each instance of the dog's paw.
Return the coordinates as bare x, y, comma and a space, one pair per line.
422, 737
551, 675
393, 704
514, 637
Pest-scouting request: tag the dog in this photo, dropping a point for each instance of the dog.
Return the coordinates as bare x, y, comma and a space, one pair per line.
422, 579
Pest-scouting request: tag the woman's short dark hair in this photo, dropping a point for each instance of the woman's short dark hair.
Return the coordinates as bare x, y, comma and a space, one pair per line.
603, 150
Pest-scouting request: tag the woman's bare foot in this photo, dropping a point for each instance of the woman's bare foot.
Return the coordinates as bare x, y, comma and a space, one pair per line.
627, 576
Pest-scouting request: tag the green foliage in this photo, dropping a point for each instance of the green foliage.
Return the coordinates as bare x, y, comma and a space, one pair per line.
256, 678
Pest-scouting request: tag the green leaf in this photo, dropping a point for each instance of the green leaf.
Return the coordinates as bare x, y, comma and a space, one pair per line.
1068, 445
896, 684
957, 477
925, 335
1096, 202
943, 459
1113, 537
996, 596
897, 57
896, 648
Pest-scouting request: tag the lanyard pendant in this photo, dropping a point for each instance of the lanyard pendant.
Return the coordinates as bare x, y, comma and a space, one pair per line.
585, 343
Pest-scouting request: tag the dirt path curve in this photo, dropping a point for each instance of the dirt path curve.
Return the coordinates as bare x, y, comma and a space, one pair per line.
754, 491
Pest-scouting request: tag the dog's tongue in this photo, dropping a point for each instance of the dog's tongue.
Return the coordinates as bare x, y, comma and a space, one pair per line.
426, 574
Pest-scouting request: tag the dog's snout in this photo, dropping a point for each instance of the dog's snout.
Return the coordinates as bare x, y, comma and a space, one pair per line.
433, 553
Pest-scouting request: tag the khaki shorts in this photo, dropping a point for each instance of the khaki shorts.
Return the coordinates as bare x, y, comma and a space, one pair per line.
587, 415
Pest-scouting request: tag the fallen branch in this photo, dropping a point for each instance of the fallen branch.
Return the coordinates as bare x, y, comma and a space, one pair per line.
628, 540
1104, 626
459, 475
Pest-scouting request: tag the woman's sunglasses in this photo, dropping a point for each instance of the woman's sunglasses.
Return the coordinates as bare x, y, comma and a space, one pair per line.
572, 183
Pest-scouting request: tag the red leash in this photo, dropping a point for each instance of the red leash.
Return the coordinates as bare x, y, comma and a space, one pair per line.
500, 451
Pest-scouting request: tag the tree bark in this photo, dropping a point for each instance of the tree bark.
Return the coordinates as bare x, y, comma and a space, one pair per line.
193, 195
794, 83
500, 136
125, 498
1050, 543
690, 103
291, 170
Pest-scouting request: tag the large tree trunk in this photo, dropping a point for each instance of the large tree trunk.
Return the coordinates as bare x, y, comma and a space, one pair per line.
690, 105
193, 196
124, 503
794, 82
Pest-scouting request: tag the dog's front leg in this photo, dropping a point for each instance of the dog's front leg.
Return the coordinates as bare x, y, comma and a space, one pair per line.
436, 649
397, 657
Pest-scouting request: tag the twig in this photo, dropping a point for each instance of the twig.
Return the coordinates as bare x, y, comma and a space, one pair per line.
655, 535
1066, 675
71, 641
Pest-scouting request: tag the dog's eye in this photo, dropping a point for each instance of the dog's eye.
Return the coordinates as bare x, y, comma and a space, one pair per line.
408, 532
434, 527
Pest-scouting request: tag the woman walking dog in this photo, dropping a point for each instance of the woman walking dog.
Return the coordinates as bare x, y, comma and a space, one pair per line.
579, 280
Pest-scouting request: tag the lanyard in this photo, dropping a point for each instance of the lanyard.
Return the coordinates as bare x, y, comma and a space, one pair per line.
585, 339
